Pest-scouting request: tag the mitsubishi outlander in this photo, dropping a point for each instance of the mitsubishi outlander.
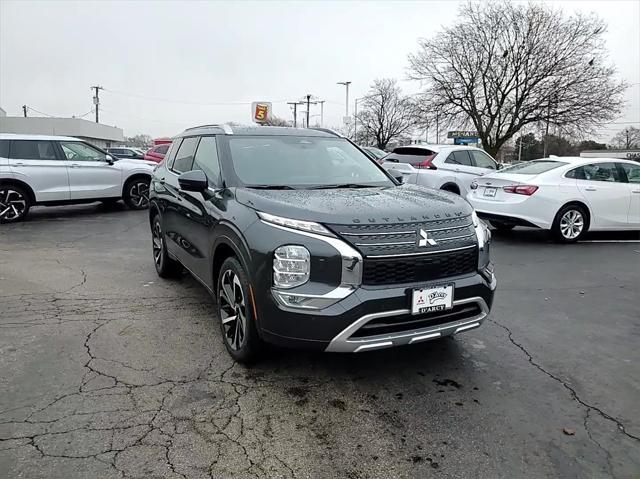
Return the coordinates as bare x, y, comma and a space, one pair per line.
304, 241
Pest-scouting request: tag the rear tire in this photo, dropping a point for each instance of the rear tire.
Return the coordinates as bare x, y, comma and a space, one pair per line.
136, 193
14, 203
166, 267
502, 227
235, 312
570, 224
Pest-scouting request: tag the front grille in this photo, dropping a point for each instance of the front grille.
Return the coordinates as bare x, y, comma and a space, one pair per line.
408, 322
419, 269
389, 239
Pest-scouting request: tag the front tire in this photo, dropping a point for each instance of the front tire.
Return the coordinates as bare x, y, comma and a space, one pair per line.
165, 266
136, 193
237, 321
14, 204
570, 224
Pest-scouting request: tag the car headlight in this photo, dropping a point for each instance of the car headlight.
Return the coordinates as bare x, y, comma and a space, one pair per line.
291, 266
301, 225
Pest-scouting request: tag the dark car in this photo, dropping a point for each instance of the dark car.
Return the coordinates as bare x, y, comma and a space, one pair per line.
306, 242
128, 153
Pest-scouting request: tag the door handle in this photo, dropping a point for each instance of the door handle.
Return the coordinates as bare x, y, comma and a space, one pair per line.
74, 165
591, 188
19, 164
635, 191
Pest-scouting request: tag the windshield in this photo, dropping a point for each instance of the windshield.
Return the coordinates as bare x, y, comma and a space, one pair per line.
296, 161
533, 167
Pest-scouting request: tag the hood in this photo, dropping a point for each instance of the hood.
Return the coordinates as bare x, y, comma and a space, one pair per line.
398, 204
126, 163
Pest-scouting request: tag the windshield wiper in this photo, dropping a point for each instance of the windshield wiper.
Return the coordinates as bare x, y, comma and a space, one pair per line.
342, 185
271, 187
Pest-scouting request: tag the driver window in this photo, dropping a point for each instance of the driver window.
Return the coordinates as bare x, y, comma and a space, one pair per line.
81, 152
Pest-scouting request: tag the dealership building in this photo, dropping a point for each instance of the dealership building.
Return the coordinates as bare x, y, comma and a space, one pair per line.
97, 134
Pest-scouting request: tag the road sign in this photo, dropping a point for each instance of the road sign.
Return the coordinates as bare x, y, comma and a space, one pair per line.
261, 111
462, 134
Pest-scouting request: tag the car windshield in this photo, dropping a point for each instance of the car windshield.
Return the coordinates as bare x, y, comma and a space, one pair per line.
297, 161
533, 167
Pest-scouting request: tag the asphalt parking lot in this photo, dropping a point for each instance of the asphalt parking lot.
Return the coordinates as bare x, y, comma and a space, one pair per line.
108, 371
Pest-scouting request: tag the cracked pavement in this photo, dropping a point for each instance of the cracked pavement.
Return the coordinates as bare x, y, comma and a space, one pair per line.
108, 371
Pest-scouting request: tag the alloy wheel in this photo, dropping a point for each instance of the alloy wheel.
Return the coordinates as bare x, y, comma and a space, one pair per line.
157, 244
12, 204
571, 224
139, 194
232, 310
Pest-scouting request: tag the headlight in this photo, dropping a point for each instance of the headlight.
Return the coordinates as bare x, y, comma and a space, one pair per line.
291, 266
309, 226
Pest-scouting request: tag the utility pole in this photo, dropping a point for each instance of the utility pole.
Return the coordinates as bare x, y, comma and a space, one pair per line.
295, 112
346, 104
355, 122
321, 113
308, 107
96, 100
520, 149
24, 110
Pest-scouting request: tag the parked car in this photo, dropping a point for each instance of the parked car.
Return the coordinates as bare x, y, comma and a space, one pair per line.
126, 152
445, 167
567, 195
57, 170
306, 242
156, 154
374, 153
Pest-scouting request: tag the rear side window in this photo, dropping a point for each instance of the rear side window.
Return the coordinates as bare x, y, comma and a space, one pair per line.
184, 157
597, 172
632, 172
4, 148
460, 157
32, 150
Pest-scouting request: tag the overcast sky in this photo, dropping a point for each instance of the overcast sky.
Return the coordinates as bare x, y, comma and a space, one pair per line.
166, 66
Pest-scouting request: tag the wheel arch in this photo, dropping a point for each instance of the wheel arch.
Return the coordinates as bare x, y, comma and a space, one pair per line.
21, 184
228, 242
451, 187
582, 204
132, 177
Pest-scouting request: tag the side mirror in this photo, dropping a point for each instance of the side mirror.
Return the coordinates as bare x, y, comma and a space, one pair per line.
194, 180
500, 166
397, 175
109, 159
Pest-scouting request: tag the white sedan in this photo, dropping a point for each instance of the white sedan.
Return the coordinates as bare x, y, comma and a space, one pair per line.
567, 195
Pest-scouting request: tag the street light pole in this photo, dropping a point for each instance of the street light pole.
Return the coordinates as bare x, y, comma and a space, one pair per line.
346, 104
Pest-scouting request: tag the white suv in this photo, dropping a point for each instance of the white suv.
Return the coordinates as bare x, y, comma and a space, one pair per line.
446, 167
57, 170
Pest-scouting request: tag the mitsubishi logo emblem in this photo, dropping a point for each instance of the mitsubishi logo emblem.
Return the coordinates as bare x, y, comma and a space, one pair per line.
423, 239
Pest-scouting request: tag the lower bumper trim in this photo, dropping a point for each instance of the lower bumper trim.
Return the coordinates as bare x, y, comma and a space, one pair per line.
345, 343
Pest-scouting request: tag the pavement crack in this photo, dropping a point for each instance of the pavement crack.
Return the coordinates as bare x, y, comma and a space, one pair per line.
572, 391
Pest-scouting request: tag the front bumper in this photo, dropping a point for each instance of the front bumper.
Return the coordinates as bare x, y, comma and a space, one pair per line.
340, 327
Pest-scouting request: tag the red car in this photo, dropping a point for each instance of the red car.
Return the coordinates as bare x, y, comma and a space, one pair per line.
157, 153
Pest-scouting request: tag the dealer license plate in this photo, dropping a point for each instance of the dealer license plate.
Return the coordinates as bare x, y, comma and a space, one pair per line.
491, 192
428, 300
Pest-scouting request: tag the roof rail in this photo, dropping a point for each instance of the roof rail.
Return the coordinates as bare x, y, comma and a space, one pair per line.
224, 126
327, 130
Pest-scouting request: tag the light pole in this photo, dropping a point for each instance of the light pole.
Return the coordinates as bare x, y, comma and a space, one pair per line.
346, 104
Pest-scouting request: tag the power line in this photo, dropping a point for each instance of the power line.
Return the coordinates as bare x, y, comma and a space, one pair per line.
185, 102
41, 112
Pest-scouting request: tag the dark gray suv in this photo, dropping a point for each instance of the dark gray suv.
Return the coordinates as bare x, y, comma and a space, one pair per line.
306, 242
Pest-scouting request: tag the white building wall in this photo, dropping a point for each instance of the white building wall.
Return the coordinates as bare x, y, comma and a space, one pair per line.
100, 135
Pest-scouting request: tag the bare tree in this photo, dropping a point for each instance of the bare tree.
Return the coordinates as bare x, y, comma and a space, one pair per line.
276, 121
627, 138
385, 113
504, 66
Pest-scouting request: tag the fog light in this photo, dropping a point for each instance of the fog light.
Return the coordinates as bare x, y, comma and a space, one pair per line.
291, 266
